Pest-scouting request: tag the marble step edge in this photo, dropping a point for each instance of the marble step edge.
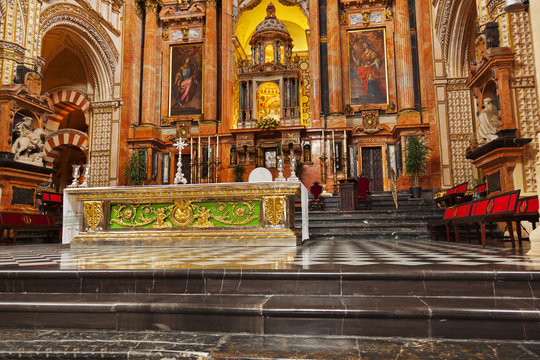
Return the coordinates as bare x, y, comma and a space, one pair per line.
285, 306
297, 274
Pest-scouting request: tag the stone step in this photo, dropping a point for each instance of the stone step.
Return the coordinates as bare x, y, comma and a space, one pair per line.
478, 303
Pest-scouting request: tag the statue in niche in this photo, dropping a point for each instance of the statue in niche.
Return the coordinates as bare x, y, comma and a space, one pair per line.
307, 153
233, 157
488, 122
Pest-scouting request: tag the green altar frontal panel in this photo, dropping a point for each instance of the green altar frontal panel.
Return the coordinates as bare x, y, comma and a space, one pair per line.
245, 214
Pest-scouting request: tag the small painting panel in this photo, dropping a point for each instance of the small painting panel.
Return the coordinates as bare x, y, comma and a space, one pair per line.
185, 87
368, 79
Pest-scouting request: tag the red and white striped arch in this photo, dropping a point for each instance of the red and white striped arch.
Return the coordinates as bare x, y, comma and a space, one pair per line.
65, 101
74, 138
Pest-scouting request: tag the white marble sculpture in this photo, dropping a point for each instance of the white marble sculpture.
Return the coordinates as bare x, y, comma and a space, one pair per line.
179, 178
488, 122
28, 147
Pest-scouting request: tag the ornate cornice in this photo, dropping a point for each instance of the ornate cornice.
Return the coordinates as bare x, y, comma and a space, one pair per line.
196, 13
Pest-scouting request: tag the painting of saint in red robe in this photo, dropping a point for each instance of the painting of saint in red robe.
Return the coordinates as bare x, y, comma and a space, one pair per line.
367, 67
186, 80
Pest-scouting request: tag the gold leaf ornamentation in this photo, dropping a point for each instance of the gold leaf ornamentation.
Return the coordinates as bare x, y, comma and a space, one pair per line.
93, 213
182, 213
273, 209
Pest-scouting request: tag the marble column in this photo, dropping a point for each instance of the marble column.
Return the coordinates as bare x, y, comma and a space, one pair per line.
150, 58
314, 63
210, 63
404, 67
227, 48
334, 57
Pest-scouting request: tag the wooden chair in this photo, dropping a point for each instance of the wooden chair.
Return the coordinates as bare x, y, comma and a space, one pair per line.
316, 190
364, 195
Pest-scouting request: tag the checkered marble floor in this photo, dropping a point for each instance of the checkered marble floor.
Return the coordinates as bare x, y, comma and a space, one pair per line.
314, 255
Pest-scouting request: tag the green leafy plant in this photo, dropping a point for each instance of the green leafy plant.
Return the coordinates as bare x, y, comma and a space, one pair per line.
135, 169
239, 173
268, 122
416, 158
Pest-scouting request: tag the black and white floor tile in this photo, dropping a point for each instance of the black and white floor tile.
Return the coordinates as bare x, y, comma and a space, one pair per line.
312, 255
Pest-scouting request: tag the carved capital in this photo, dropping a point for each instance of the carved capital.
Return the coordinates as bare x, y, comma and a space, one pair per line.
151, 6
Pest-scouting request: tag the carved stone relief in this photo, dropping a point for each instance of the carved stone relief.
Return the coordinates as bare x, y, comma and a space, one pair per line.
460, 126
526, 96
100, 152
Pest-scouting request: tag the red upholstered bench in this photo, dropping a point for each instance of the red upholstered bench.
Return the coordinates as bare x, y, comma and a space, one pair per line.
452, 195
17, 222
445, 221
461, 213
527, 210
496, 209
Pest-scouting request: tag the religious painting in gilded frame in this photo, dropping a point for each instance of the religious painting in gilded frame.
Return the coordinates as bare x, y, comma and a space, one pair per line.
185, 86
368, 76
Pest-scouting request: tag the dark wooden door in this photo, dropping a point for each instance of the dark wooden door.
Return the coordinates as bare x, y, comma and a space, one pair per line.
372, 167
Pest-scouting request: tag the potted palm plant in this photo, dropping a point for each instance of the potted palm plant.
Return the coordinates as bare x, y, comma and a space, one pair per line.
416, 161
135, 169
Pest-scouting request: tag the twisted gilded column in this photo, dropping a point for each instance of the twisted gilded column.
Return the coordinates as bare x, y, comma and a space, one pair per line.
149, 84
334, 57
314, 63
210, 63
404, 66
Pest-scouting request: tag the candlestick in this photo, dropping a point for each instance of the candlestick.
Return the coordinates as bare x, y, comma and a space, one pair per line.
199, 162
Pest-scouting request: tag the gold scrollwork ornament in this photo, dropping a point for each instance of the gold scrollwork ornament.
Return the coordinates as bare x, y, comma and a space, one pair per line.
274, 207
182, 213
93, 213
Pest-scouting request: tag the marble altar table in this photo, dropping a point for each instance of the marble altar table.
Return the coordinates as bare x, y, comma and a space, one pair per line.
223, 214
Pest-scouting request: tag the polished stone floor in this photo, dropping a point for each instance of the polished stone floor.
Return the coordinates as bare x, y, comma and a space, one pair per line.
313, 255
168, 345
